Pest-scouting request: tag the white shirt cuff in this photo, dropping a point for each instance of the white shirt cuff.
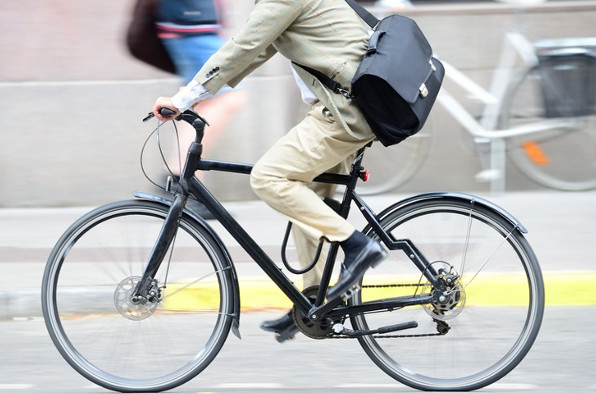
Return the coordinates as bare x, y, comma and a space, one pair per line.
189, 95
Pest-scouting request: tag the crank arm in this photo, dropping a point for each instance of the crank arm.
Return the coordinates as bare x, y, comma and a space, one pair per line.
339, 329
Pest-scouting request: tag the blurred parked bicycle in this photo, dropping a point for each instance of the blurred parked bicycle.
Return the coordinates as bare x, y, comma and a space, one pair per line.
542, 114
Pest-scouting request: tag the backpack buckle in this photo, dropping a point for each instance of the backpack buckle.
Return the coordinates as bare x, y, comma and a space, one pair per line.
344, 93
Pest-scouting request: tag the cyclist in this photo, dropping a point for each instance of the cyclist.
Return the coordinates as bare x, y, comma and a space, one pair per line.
328, 36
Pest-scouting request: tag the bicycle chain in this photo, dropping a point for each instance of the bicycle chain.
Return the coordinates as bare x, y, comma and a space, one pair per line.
395, 335
394, 285
390, 336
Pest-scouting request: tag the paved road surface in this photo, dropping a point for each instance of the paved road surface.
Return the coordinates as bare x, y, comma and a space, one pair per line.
561, 361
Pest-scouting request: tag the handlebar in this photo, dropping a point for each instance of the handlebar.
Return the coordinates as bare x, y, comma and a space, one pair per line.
188, 116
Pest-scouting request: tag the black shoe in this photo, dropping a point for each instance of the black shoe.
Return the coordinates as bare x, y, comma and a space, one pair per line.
279, 325
199, 209
369, 256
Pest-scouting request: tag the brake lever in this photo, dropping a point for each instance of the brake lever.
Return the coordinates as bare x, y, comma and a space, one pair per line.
149, 116
164, 111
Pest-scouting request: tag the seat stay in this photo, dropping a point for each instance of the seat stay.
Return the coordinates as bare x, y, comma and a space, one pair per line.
406, 245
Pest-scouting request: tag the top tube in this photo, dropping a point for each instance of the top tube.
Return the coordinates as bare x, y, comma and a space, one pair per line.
198, 123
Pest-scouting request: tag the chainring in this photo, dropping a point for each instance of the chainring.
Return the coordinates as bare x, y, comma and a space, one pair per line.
315, 330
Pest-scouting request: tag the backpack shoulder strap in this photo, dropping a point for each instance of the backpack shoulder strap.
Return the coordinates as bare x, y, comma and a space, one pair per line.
335, 87
331, 84
369, 18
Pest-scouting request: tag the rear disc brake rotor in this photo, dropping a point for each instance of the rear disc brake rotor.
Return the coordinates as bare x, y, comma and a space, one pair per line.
449, 302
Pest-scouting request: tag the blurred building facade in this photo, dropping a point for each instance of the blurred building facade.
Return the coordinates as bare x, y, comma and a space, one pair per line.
72, 99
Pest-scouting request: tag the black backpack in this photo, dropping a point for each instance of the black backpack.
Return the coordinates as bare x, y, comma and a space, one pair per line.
398, 80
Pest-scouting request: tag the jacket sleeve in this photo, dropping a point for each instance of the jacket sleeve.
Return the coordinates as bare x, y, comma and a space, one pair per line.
251, 45
262, 58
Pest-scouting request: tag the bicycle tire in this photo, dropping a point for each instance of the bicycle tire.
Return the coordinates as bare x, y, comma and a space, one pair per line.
88, 281
562, 158
496, 311
392, 166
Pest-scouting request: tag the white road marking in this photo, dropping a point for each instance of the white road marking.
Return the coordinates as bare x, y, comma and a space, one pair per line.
250, 386
512, 386
370, 386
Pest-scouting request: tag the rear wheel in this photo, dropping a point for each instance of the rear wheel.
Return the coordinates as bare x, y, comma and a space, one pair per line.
487, 320
125, 345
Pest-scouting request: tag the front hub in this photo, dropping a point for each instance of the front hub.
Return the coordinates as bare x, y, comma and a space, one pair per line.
130, 306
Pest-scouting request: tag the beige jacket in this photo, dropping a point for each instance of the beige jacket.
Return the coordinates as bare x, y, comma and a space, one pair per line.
326, 35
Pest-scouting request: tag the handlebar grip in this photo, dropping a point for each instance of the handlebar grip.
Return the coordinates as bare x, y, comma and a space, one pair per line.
167, 112
164, 112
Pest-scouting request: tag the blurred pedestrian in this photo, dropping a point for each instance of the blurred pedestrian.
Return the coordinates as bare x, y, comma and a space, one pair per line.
191, 31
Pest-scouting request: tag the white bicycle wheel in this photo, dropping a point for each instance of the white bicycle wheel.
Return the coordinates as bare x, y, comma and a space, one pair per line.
561, 158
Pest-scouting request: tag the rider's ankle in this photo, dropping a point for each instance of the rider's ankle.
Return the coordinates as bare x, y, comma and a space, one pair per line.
353, 245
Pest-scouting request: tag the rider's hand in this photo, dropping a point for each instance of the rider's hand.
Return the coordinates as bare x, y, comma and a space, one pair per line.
164, 102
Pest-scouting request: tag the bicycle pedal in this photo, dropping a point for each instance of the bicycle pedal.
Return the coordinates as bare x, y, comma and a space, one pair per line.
287, 334
281, 339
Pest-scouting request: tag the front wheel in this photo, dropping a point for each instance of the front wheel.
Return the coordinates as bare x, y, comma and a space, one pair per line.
131, 346
490, 314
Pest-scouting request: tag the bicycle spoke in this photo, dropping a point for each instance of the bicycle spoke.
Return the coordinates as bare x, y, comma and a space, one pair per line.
192, 283
489, 258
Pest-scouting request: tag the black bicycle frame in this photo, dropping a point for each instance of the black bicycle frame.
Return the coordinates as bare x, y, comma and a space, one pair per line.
190, 185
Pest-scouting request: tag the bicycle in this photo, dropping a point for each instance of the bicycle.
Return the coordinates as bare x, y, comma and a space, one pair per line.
140, 295
541, 114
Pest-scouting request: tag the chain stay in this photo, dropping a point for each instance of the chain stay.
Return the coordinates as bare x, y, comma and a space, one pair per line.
392, 336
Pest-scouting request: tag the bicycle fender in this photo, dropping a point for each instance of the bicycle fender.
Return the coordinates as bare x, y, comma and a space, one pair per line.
229, 265
456, 196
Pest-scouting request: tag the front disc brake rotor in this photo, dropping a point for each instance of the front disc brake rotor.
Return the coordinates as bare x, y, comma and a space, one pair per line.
123, 300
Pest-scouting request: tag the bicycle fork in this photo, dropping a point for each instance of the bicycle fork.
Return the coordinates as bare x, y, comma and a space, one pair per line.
146, 289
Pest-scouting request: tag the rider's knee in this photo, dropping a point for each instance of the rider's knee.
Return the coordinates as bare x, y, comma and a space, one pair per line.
258, 180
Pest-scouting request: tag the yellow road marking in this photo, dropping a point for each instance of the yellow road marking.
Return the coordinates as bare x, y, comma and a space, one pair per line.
561, 289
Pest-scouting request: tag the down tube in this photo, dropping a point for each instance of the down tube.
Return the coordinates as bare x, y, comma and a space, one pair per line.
250, 246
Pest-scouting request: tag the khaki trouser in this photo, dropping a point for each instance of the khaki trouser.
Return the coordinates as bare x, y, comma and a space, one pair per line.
306, 245
282, 178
